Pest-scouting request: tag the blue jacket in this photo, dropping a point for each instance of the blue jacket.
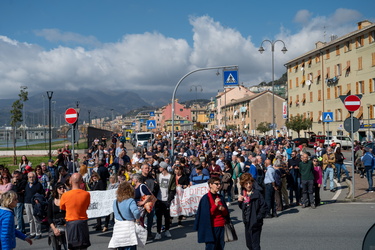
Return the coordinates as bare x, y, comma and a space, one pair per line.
8, 233
368, 160
202, 222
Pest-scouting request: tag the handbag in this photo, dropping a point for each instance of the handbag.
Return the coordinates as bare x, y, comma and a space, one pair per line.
140, 231
149, 205
229, 231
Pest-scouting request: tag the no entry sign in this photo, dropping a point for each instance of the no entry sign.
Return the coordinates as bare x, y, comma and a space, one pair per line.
352, 103
71, 116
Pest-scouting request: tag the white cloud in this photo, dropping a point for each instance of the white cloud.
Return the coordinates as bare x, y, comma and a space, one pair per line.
302, 16
55, 35
152, 61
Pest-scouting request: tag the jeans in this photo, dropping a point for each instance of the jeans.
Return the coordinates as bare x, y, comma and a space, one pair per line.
150, 220
328, 172
307, 189
317, 194
162, 210
368, 170
19, 215
338, 168
127, 248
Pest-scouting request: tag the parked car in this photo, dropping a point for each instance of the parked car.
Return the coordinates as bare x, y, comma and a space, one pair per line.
316, 138
345, 141
299, 141
371, 145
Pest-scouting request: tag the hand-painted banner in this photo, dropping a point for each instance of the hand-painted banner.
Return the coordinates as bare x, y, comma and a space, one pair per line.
101, 203
187, 200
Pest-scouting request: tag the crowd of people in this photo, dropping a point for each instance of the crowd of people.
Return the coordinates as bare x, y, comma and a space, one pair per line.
264, 175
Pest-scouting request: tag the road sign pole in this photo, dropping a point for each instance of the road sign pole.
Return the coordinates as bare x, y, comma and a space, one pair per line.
352, 137
73, 131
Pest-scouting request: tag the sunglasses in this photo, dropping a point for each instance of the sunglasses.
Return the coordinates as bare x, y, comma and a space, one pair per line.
61, 187
217, 183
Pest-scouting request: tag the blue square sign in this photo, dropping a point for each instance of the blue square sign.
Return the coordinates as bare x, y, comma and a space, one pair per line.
230, 78
327, 116
151, 124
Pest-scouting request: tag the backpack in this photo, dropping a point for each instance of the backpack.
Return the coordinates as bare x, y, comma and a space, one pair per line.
40, 209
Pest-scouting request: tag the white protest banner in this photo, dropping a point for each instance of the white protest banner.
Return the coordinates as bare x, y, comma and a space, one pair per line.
101, 203
187, 200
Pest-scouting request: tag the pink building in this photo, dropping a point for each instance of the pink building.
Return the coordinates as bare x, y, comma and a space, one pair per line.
181, 113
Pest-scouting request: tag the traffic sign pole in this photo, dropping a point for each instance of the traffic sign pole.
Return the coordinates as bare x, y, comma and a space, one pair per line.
352, 137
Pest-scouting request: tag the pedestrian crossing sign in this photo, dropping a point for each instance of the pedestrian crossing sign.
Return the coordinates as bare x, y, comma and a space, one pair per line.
151, 124
327, 116
230, 78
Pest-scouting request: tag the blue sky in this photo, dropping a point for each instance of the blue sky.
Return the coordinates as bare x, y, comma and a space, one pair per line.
151, 44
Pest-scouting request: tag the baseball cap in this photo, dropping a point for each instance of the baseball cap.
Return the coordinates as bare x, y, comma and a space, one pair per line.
163, 164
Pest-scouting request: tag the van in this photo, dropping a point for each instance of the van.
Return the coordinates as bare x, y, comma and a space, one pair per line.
345, 141
142, 138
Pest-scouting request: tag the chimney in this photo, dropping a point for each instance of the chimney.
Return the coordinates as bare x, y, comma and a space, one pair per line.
319, 45
363, 24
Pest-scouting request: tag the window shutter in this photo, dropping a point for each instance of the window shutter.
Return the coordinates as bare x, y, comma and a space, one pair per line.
357, 88
371, 111
370, 85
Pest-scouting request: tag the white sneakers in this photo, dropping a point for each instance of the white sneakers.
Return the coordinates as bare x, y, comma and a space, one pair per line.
167, 234
157, 236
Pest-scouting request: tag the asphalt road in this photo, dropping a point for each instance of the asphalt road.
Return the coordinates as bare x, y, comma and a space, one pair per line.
333, 225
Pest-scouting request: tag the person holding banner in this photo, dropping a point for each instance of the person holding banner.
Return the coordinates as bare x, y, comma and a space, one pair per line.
181, 180
211, 216
254, 209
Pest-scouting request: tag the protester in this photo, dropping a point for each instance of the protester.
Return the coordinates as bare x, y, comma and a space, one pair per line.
328, 168
33, 187
19, 185
211, 216
56, 218
369, 163
253, 208
5, 183
8, 233
23, 163
96, 184
164, 196
76, 202
318, 176
125, 212
113, 184
339, 164
307, 181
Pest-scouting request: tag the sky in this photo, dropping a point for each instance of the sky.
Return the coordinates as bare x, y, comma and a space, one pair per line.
148, 45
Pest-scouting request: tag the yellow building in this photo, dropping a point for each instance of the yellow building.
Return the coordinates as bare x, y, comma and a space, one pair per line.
343, 66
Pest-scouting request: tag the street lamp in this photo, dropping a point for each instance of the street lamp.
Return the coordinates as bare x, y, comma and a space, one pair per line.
284, 50
49, 95
368, 125
196, 98
174, 97
89, 111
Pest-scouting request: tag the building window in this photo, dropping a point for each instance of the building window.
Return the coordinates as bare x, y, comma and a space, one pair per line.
310, 77
311, 96
317, 58
290, 84
338, 69
360, 63
359, 42
181, 110
319, 95
328, 93
348, 46
328, 72
337, 50
339, 91
309, 62
297, 84
347, 69
360, 87
372, 85
373, 59
371, 36
327, 54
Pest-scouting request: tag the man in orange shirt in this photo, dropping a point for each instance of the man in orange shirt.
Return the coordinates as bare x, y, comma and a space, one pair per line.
75, 202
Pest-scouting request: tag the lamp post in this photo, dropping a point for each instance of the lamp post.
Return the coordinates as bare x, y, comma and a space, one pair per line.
49, 95
284, 50
196, 98
174, 96
89, 111
368, 125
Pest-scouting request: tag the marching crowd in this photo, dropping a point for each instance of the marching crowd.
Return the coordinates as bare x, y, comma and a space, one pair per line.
264, 175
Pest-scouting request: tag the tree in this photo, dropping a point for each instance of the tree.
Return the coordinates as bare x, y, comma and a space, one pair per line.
16, 117
263, 127
298, 123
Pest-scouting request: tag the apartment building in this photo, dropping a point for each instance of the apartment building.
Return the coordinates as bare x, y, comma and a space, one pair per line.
343, 66
245, 113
